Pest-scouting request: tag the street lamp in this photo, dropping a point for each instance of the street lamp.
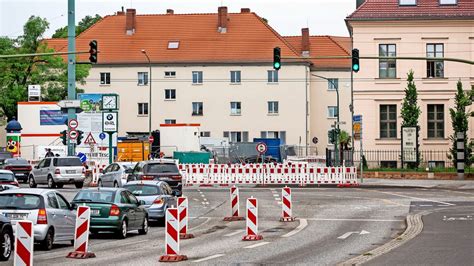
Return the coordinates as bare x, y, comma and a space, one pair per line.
149, 99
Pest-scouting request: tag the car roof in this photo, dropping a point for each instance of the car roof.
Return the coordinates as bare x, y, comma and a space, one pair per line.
35, 191
6, 172
113, 189
16, 159
145, 182
161, 161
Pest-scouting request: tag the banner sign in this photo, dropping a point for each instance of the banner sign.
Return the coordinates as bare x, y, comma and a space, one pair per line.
90, 102
409, 144
52, 118
357, 126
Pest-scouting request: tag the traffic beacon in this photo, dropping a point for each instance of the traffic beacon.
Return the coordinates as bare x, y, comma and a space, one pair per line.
93, 51
276, 58
355, 60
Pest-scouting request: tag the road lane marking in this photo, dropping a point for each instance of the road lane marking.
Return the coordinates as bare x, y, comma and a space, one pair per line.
209, 258
416, 198
203, 223
354, 220
348, 234
257, 245
235, 232
426, 205
303, 224
387, 201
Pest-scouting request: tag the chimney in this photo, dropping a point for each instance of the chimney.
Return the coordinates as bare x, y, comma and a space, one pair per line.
130, 21
169, 11
359, 3
245, 10
222, 19
305, 43
121, 12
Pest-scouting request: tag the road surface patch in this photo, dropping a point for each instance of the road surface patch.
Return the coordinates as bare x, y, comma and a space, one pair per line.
257, 245
303, 224
209, 258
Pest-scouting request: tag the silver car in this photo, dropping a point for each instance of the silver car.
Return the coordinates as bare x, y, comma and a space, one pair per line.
115, 175
52, 216
157, 195
57, 171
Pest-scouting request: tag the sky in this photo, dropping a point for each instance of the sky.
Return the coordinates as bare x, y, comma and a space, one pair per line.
323, 17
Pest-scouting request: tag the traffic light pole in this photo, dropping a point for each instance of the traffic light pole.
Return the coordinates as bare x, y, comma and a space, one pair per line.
71, 68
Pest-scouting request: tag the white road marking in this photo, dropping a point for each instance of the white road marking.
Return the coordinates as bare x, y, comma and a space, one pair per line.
235, 232
277, 199
209, 258
416, 198
203, 223
303, 224
363, 232
279, 203
426, 205
195, 199
346, 235
354, 220
257, 245
202, 195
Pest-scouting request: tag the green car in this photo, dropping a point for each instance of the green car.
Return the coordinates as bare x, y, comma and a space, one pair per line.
113, 209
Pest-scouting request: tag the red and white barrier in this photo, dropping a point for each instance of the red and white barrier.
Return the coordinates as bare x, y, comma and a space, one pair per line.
172, 237
252, 221
286, 205
183, 218
81, 235
24, 244
234, 202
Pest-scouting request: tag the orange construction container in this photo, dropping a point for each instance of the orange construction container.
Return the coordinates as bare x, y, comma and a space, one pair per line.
132, 151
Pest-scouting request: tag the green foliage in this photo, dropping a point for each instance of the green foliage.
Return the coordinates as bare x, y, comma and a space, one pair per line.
83, 25
344, 140
17, 73
460, 123
410, 111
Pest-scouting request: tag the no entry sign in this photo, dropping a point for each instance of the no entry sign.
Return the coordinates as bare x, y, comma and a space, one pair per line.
261, 148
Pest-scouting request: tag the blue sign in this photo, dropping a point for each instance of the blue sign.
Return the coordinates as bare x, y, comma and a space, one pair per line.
102, 136
52, 118
357, 118
82, 157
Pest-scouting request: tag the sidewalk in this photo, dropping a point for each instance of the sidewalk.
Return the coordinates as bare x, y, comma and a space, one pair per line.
423, 183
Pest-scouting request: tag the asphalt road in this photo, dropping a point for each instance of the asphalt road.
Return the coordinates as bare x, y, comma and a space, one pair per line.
333, 225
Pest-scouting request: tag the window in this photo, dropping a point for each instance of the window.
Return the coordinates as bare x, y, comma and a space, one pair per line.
272, 76
124, 198
388, 164
197, 108
132, 198
448, 2
52, 201
274, 135
332, 111
170, 74
407, 2
235, 108
388, 121
434, 68
333, 84
273, 108
173, 45
142, 78
237, 136
235, 77
143, 109
387, 67
170, 94
105, 78
62, 202
205, 134
435, 121
197, 77
170, 121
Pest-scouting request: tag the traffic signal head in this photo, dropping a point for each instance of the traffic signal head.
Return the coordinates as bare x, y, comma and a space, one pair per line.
332, 136
80, 134
355, 60
93, 51
64, 137
276, 58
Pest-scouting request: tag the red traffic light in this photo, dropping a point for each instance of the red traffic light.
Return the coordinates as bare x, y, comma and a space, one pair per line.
93, 51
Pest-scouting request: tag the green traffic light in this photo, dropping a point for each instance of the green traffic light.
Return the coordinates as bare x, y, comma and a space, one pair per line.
276, 65
355, 67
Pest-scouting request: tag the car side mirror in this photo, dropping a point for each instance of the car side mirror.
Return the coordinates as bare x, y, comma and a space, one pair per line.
36, 166
174, 193
73, 206
129, 171
141, 202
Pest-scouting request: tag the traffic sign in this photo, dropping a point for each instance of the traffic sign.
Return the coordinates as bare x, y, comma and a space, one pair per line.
90, 139
69, 104
261, 147
73, 123
151, 139
110, 122
102, 136
73, 134
315, 140
82, 157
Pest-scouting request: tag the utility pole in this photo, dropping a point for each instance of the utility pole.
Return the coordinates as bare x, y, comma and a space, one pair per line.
71, 67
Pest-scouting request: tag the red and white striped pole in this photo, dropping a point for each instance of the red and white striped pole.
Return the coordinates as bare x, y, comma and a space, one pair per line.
286, 205
183, 218
81, 235
172, 237
252, 221
234, 201
23, 244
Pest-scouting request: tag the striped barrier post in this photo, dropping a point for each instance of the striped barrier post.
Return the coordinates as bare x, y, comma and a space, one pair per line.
172, 237
252, 221
234, 201
23, 244
183, 218
81, 235
286, 205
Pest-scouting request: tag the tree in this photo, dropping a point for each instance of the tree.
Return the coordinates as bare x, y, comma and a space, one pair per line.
17, 73
411, 112
83, 25
460, 123
344, 141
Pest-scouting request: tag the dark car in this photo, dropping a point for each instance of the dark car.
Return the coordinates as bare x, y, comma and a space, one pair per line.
159, 170
19, 166
6, 238
4, 155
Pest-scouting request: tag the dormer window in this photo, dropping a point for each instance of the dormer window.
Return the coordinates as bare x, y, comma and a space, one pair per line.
173, 45
448, 2
407, 2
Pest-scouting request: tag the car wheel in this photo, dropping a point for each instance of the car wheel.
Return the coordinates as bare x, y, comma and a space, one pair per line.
51, 183
144, 229
6, 245
99, 184
116, 184
79, 184
122, 232
47, 243
31, 182
59, 185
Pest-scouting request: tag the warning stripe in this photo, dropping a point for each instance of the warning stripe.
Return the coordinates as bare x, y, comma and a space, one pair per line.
172, 232
81, 229
286, 202
23, 252
252, 217
27, 227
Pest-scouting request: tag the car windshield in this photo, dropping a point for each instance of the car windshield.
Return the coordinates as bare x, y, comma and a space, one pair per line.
7, 177
94, 196
67, 162
158, 168
18, 201
16, 161
143, 190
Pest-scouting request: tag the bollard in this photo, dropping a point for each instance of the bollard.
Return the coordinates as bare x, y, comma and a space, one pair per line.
81, 235
183, 218
172, 238
286, 206
234, 201
23, 244
252, 221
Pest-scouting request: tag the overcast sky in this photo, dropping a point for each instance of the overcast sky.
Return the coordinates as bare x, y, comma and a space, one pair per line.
286, 16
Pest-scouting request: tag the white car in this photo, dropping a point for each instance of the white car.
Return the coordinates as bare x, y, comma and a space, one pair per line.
57, 171
115, 175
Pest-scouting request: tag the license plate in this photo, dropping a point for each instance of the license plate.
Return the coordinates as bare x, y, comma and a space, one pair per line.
70, 171
95, 212
19, 174
16, 216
